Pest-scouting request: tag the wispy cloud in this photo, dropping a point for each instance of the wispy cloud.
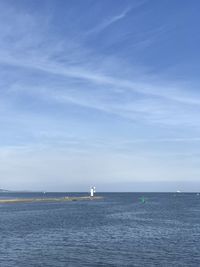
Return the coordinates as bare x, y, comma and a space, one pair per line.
109, 21
123, 97
169, 90
87, 69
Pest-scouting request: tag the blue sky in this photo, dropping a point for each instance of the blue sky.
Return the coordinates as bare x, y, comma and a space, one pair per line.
100, 92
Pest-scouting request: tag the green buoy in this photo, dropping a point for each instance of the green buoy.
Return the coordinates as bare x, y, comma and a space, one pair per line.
142, 199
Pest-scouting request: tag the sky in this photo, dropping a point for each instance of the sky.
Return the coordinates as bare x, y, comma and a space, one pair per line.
101, 93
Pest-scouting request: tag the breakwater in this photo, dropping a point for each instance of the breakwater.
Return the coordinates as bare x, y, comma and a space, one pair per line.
46, 199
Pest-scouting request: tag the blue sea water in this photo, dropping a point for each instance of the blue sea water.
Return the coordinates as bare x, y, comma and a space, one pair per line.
118, 230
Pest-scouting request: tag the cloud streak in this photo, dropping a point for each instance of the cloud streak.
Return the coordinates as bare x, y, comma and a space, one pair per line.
108, 22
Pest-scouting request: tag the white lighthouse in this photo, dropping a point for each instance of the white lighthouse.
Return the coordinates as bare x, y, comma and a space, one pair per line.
92, 191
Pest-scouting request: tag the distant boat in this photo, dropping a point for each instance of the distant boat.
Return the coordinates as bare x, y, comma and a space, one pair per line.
178, 191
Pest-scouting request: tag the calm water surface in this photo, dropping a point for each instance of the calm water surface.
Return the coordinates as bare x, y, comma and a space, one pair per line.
119, 230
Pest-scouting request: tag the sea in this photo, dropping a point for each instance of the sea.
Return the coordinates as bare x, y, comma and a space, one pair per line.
121, 229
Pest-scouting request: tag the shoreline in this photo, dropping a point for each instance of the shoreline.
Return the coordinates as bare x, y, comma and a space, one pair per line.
61, 199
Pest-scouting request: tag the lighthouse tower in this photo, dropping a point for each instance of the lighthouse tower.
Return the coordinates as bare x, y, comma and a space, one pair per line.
92, 191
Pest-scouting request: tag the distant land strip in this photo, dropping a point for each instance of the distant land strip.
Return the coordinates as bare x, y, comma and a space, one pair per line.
61, 199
